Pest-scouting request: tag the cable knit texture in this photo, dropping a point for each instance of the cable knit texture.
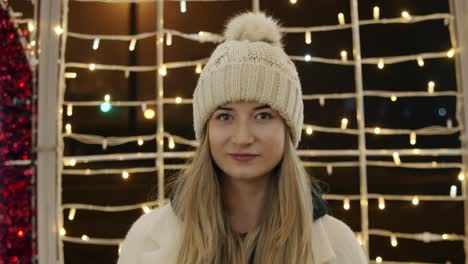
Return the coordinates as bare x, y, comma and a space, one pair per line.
250, 65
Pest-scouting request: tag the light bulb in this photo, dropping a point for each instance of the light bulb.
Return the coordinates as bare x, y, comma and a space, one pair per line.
58, 30
198, 69
183, 6
415, 200
377, 130
140, 142
453, 191
68, 129
378, 259
92, 66
71, 214
31, 27
307, 57
344, 123
393, 241
376, 12
107, 98
381, 203
132, 45
95, 44
63, 231
163, 70
461, 176
178, 100
396, 158
341, 19
70, 75
149, 113
146, 209
393, 98
171, 143
346, 204
293, 1
420, 61
84, 237
430, 87
125, 175
308, 37
344, 55
413, 138
69, 110
380, 64
309, 131
168, 39
406, 15
451, 53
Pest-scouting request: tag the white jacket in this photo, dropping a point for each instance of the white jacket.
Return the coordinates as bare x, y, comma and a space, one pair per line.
154, 238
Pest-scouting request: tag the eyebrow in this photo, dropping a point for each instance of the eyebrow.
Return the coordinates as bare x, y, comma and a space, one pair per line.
256, 108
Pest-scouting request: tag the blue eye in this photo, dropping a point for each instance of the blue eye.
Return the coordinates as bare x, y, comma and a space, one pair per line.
269, 115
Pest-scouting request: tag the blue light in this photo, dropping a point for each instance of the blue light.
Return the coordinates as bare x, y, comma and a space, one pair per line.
442, 111
105, 107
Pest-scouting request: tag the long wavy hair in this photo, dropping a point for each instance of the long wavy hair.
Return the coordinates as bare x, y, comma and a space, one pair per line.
284, 235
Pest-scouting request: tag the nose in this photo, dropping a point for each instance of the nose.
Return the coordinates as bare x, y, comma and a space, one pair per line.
242, 134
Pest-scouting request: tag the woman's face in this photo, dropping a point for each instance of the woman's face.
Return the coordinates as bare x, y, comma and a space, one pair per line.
246, 127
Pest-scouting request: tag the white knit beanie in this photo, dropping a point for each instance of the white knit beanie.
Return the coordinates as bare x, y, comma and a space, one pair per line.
250, 65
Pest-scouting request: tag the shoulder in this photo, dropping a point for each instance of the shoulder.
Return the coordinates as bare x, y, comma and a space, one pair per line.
343, 240
138, 238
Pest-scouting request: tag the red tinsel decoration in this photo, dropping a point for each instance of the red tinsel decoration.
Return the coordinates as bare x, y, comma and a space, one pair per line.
16, 182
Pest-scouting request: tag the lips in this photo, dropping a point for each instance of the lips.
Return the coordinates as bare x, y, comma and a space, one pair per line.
243, 157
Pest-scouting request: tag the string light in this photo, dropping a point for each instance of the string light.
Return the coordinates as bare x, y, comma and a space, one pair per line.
430, 87
120, 247
344, 123
381, 64
378, 259
434, 164
92, 66
322, 101
68, 129
393, 241
376, 12
183, 6
308, 37
309, 131
73, 162
359, 238
125, 175
461, 176
62, 231
344, 55
171, 143
33, 43
329, 169
31, 27
396, 158
415, 200
106, 106
70, 75
307, 57
453, 191
163, 70
377, 130
140, 142
346, 204
132, 45
393, 98
341, 19
146, 209
87, 171
198, 69
96, 44
381, 203
168, 39
69, 110
451, 53
406, 15
445, 236
413, 138
58, 30
149, 113
293, 1
71, 214
420, 61
84, 237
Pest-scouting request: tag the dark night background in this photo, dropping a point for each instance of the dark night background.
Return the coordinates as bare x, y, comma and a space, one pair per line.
316, 78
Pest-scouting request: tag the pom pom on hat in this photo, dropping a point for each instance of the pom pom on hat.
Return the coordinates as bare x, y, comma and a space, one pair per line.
254, 27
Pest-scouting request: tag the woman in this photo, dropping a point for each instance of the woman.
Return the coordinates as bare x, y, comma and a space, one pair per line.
245, 196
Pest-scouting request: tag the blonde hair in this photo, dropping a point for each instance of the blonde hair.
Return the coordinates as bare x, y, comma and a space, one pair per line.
284, 236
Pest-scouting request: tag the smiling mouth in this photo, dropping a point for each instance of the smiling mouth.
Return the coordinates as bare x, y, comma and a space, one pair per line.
243, 157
